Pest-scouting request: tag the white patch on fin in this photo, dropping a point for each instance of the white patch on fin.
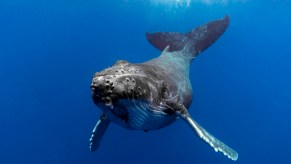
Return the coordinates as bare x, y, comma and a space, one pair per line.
208, 138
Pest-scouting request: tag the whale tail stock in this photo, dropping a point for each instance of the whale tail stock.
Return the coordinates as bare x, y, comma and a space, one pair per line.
195, 41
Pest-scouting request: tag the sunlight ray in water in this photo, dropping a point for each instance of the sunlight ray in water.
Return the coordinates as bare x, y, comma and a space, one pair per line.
177, 3
187, 3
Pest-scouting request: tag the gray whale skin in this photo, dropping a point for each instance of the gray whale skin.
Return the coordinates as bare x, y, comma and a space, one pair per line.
151, 95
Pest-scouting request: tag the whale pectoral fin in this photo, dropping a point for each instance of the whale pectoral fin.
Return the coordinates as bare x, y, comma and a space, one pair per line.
98, 132
206, 136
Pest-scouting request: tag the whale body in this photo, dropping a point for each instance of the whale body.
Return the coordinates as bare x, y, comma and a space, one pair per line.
153, 94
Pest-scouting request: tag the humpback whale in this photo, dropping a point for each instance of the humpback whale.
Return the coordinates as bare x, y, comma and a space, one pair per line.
153, 94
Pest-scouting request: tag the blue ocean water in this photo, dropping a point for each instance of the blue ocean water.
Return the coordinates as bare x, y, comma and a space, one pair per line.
49, 50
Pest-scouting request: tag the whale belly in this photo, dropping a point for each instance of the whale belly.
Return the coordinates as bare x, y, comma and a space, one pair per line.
141, 115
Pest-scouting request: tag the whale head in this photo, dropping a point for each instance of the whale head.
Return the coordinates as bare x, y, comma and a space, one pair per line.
118, 81
118, 88
125, 88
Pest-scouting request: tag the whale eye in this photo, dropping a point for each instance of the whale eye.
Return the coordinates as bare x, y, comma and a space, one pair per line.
165, 92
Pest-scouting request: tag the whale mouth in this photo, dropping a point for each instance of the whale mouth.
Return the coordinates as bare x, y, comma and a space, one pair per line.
109, 92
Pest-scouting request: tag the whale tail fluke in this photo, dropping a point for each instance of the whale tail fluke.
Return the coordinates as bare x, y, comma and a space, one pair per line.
195, 41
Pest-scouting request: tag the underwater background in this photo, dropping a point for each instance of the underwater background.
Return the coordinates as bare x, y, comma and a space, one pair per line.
49, 50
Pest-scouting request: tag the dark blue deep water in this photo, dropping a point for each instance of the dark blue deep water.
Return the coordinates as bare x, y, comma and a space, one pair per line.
49, 50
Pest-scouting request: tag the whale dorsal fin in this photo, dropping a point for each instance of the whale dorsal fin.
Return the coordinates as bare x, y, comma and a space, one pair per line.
166, 50
197, 40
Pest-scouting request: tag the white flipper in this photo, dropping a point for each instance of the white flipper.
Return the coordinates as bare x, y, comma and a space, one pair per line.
207, 137
98, 132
